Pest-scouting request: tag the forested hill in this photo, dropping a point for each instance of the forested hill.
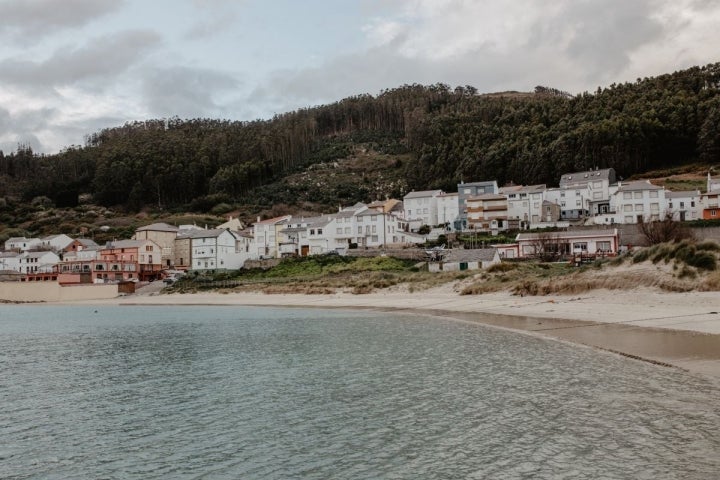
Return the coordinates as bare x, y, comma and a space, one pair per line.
443, 135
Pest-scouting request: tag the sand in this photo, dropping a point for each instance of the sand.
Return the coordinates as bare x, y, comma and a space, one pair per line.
677, 330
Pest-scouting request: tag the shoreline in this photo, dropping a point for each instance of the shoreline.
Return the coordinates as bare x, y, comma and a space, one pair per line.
680, 330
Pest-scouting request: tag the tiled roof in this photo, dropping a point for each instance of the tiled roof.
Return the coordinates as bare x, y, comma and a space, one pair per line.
639, 185
682, 194
423, 194
470, 255
158, 227
569, 234
587, 176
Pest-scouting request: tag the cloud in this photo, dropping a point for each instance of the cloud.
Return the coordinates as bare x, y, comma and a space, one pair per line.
25, 21
573, 45
100, 58
186, 92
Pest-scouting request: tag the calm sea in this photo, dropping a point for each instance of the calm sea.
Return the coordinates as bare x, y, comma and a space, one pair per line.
261, 393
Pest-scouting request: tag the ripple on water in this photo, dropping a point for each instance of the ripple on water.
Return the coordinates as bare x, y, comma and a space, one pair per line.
216, 392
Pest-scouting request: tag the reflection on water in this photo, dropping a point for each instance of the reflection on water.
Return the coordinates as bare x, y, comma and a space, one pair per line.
220, 392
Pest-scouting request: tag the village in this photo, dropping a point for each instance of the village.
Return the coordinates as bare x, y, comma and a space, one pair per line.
584, 213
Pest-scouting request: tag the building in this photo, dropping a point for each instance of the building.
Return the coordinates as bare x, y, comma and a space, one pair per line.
56, 243
266, 236
9, 262
487, 212
22, 244
215, 249
684, 205
565, 243
38, 262
595, 188
164, 236
638, 202
524, 205
574, 203
422, 206
447, 210
461, 259
473, 189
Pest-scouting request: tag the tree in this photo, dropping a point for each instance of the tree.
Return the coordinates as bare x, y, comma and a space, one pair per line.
665, 230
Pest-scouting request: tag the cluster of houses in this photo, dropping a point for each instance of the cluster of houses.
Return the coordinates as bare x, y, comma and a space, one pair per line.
593, 197
583, 199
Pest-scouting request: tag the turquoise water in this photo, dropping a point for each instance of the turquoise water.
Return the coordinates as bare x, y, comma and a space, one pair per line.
252, 393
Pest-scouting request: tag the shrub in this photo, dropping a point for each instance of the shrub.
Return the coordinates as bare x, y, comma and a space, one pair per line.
502, 267
221, 208
702, 260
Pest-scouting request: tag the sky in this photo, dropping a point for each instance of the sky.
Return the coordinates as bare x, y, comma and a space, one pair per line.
69, 68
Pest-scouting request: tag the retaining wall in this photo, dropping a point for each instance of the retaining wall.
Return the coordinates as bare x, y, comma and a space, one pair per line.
53, 292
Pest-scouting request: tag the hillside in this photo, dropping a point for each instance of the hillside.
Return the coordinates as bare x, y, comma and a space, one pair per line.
367, 147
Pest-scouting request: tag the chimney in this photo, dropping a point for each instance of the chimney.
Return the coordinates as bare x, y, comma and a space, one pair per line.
258, 219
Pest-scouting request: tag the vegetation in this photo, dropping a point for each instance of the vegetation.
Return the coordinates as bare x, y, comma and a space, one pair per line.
430, 137
320, 274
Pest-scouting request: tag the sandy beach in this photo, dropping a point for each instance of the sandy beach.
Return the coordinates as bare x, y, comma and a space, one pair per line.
680, 330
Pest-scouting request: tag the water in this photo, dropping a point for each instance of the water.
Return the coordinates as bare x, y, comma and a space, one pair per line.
234, 392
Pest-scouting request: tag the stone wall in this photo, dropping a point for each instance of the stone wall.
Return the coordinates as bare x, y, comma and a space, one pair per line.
53, 292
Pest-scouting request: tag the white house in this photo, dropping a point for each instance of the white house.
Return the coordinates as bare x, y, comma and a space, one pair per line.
580, 241
22, 244
637, 202
9, 261
574, 202
447, 209
55, 243
265, 233
215, 249
684, 205
593, 185
524, 205
461, 259
38, 262
422, 205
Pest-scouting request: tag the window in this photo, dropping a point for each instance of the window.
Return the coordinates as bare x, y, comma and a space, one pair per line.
319, 231
359, 230
312, 231
581, 246
629, 219
638, 195
360, 219
654, 207
577, 203
597, 184
638, 207
603, 246
653, 194
347, 230
692, 204
375, 238
562, 204
373, 218
682, 204
338, 230
627, 208
627, 195
374, 229
713, 213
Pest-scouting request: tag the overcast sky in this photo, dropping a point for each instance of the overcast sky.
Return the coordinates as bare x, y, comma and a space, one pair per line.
71, 67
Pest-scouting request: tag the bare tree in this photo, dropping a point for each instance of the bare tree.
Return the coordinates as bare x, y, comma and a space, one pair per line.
665, 230
547, 246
